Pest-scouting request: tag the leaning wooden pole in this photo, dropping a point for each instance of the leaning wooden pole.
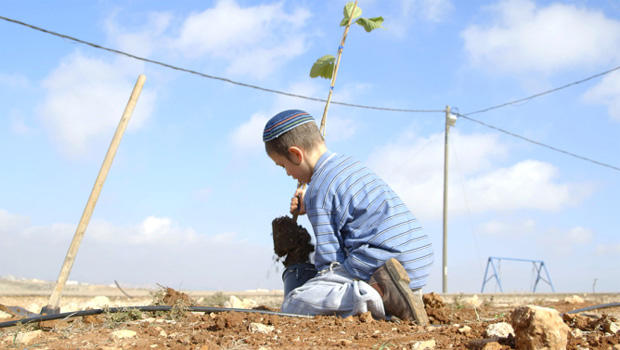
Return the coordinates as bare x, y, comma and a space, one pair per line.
333, 82
52, 306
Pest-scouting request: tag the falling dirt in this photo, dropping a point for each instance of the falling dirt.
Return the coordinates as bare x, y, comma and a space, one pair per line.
458, 327
291, 240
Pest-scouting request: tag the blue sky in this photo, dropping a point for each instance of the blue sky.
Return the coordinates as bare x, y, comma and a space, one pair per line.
190, 197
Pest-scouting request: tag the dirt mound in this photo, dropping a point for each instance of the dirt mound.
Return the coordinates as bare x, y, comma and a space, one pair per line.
291, 241
436, 309
169, 296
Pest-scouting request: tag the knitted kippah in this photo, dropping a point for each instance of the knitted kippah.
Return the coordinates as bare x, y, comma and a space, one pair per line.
285, 121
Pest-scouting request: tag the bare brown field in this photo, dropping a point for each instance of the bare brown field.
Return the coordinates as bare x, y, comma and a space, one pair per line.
460, 321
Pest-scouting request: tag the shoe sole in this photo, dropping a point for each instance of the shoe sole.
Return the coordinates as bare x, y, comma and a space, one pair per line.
400, 277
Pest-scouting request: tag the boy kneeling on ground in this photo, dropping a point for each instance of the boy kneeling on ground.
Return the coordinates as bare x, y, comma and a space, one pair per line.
370, 250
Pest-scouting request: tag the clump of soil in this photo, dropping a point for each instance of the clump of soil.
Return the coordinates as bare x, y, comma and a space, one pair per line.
436, 309
291, 241
169, 296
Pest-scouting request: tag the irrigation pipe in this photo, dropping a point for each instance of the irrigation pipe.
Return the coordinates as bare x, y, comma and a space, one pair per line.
593, 307
141, 308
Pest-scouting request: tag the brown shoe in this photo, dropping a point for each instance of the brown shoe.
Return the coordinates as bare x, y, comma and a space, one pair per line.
392, 282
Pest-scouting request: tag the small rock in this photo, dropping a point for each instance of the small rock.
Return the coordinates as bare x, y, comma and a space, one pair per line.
500, 330
576, 332
124, 333
345, 342
465, 329
611, 327
538, 327
27, 337
366, 317
110, 348
256, 327
163, 333
573, 299
4, 315
616, 347
236, 303
424, 344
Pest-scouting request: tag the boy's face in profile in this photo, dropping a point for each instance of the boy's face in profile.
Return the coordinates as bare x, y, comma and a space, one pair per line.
294, 169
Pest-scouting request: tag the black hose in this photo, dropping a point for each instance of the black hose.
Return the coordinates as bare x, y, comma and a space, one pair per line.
39, 318
594, 307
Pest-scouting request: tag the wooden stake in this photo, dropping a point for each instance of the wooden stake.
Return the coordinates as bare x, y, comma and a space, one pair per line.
333, 82
52, 306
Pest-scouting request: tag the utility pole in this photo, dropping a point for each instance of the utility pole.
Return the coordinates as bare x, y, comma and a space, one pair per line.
450, 121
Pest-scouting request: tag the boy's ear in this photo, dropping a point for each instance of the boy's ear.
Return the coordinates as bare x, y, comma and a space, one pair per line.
295, 155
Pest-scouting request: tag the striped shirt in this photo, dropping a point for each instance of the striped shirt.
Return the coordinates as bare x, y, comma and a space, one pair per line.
360, 222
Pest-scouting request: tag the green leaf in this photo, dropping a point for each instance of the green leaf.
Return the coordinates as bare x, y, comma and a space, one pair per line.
323, 67
347, 13
370, 24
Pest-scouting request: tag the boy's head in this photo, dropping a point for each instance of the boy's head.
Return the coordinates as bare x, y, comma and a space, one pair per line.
293, 141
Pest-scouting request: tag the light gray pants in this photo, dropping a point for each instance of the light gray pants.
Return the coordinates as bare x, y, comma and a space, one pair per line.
334, 291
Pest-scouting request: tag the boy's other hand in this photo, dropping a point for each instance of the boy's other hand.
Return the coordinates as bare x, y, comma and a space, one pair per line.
295, 201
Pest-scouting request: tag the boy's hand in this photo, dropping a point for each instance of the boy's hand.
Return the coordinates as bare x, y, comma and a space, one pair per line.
295, 201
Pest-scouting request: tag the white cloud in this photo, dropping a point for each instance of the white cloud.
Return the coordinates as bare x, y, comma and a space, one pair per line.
607, 92
143, 41
10, 223
155, 250
564, 242
507, 229
248, 136
579, 235
256, 40
435, 10
85, 98
526, 38
410, 11
527, 184
415, 170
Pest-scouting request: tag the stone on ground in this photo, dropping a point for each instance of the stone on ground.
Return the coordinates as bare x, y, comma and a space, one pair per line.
573, 299
256, 327
236, 303
27, 337
499, 330
423, 345
539, 328
124, 333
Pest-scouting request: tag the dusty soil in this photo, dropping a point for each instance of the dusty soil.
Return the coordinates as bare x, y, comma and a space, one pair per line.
291, 241
456, 323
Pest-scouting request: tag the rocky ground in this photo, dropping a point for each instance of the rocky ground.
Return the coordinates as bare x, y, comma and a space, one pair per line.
497, 321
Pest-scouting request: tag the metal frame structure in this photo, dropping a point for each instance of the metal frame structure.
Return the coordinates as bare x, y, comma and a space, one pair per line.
538, 266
